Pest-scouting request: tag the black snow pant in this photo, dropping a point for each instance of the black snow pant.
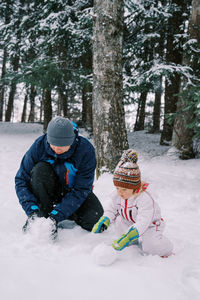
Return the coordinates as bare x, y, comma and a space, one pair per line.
46, 187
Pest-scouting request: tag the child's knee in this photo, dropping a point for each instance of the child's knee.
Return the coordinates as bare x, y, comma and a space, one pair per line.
161, 247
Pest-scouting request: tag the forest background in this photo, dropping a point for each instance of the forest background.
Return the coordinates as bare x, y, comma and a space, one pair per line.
111, 66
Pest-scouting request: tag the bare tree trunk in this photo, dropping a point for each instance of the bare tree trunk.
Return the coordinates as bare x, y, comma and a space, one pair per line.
182, 134
87, 117
140, 119
65, 104
41, 106
62, 102
157, 107
171, 99
173, 55
2, 87
87, 106
7, 17
110, 136
59, 104
47, 108
182, 137
23, 118
9, 109
13, 87
31, 117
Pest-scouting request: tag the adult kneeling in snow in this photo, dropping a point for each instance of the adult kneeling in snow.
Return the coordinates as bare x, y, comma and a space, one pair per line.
56, 175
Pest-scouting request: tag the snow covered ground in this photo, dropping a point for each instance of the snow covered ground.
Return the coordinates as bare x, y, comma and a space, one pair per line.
34, 268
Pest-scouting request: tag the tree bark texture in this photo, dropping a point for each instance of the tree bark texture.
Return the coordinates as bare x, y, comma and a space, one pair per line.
157, 107
182, 135
24, 111
62, 108
87, 106
47, 105
13, 87
110, 136
2, 87
31, 117
173, 55
9, 109
65, 103
171, 98
140, 118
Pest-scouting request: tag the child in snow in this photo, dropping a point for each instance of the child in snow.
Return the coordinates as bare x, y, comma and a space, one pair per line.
132, 208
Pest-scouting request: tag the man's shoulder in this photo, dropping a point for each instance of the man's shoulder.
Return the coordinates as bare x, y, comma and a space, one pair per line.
85, 143
84, 150
40, 141
39, 144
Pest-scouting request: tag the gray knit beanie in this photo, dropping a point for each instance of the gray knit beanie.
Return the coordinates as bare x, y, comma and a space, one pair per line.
60, 132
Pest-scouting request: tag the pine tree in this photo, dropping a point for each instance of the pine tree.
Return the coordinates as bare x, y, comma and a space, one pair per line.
146, 33
144, 66
55, 44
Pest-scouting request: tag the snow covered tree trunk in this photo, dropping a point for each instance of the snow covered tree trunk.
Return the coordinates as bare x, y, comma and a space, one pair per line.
110, 136
182, 134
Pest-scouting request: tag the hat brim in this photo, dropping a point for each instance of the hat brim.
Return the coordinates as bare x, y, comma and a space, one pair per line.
60, 142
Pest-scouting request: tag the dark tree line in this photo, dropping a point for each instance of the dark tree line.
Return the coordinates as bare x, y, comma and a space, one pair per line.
46, 46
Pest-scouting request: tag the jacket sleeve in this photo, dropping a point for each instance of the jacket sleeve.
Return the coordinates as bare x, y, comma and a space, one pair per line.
81, 188
146, 211
22, 179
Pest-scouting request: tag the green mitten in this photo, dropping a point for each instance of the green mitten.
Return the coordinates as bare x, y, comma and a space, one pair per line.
126, 239
101, 225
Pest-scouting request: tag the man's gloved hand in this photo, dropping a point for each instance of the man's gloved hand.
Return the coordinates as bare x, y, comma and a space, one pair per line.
54, 228
101, 225
35, 209
35, 214
126, 239
29, 221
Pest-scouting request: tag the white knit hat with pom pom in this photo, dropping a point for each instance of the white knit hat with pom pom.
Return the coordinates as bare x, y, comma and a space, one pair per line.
127, 173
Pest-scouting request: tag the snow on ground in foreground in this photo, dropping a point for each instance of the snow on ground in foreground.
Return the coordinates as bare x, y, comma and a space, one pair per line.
32, 267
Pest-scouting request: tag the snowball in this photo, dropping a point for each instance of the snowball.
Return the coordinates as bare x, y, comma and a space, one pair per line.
104, 255
40, 230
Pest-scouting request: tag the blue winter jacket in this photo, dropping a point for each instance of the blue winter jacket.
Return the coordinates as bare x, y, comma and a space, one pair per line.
75, 169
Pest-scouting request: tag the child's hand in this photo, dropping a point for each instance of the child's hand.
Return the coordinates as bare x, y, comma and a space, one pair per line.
101, 225
126, 239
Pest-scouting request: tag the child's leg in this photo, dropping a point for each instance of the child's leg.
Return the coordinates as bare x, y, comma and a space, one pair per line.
153, 241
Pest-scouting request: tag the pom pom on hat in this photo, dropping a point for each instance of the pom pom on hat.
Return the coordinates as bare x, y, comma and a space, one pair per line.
129, 155
127, 173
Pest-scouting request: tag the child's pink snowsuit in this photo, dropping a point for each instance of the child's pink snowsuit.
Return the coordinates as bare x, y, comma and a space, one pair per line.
142, 212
